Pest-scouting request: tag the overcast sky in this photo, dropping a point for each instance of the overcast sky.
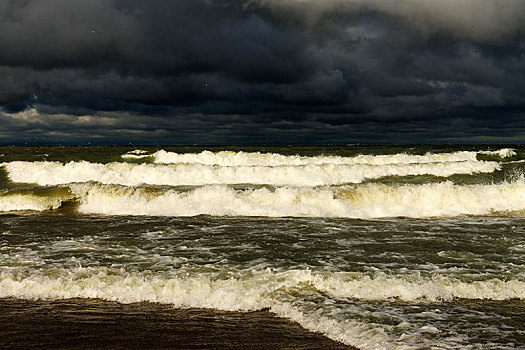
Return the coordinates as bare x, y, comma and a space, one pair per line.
262, 71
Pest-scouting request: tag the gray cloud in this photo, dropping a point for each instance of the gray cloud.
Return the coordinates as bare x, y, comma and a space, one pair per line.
50, 33
292, 71
477, 20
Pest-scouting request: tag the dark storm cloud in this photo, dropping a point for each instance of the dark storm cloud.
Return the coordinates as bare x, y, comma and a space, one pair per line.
262, 71
473, 20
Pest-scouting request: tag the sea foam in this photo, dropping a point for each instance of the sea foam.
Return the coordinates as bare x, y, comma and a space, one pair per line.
353, 201
254, 290
358, 201
34, 199
230, 158
55, 173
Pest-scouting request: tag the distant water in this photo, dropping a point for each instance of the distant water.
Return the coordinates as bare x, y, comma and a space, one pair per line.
377, 247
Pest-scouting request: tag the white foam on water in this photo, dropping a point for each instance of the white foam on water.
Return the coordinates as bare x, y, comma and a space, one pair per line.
138, 151
414, 287
364, 201
28, 201
281, 291
502, 153
129, 174
249, 291
136, 154
203, 291
230, 158
359, 201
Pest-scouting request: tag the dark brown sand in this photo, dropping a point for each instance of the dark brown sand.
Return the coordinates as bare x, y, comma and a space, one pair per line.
96, 324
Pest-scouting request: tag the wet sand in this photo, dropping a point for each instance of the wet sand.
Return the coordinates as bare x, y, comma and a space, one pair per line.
97, 324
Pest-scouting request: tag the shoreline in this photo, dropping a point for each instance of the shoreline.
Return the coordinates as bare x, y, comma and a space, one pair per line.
99, 324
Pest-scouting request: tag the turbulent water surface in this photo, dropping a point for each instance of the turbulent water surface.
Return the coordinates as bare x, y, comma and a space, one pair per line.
377, 247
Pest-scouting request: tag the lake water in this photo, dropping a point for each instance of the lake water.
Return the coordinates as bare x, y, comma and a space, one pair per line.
380, 247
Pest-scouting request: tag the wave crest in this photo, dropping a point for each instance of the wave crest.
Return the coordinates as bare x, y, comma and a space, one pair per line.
230, 158
129, 174
357, 201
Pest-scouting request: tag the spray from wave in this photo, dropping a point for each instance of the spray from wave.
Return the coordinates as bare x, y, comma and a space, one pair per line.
230, 158
357, 201
129, 174
294, 186
36, 199
136, 154
360, 201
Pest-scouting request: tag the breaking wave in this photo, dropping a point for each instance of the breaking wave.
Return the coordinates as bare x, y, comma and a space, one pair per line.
502, 153
136, 154
356, 201
230, 158
255, 290
39, 199
247, 291
360, 201
295, 186
129, 174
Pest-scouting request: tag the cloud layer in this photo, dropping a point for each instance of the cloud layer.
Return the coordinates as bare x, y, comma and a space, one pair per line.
262, 71
476, 20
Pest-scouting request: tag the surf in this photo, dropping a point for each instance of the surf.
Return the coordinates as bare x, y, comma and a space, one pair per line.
362, 201
256, 290
131, 174
230, 158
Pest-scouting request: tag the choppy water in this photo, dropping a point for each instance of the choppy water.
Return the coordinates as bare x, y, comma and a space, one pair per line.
378, 247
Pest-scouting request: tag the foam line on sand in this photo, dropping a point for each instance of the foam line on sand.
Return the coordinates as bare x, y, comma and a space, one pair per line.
97, 324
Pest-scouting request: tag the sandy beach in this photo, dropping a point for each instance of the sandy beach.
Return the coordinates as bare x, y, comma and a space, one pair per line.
97, 324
